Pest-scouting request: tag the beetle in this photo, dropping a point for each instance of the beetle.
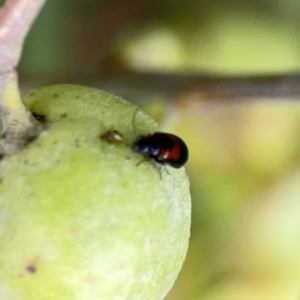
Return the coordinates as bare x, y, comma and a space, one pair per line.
164, 148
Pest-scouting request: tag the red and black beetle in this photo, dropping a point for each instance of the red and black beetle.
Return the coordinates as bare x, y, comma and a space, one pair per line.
165, 148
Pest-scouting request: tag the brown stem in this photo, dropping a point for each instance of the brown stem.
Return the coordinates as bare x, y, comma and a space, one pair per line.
18, 127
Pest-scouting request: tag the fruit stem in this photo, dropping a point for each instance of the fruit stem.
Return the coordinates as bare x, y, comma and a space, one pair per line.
18, 126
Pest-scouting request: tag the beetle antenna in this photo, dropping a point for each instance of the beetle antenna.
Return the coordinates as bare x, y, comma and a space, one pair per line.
133, 120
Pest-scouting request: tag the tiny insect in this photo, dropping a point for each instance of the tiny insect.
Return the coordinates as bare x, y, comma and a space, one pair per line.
112, 136
164, 148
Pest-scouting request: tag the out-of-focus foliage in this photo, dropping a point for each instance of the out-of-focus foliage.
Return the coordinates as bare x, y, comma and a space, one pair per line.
229, 37
47, 48
221, 36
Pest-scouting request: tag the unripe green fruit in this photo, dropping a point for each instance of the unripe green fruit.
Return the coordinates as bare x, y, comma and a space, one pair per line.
79, 219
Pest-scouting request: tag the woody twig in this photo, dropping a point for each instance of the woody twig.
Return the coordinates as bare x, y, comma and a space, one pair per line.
18, 126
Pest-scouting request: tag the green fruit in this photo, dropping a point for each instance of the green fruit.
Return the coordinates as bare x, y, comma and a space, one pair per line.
79, 219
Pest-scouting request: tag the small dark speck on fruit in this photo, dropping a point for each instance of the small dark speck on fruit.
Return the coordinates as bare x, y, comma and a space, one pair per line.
1, 156
39, 117
77, 144
55, 95
77, 97
31, 269
54, 142
25, 162
64, 115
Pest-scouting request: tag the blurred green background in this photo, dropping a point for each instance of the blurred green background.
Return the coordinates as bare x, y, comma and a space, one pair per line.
244, 152
220, 36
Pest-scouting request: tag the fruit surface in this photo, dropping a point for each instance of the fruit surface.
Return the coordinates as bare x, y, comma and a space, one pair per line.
79, 218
